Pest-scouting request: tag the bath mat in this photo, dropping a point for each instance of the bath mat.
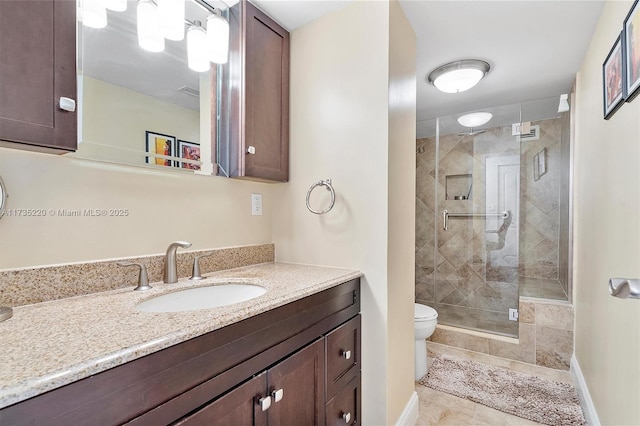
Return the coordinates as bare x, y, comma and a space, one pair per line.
523, 395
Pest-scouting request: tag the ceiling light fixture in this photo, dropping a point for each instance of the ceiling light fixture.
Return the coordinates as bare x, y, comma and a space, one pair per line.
475, 119
458, 76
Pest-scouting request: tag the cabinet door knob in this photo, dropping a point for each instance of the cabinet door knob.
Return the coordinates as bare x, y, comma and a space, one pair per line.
265, 403
251, 149
67, 104
345, 354
277, 395
346, 417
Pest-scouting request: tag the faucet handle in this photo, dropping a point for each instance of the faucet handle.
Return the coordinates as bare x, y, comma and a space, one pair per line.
143, 278
195, 275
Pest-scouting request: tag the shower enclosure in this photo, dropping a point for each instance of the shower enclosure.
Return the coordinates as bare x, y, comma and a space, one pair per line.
488, 214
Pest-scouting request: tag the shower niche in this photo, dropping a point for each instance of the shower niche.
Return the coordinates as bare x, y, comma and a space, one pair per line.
458, 187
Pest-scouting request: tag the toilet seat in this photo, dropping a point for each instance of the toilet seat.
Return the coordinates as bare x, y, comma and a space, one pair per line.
424, 313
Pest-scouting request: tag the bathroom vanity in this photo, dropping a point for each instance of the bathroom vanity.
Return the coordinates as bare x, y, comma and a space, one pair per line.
293, 353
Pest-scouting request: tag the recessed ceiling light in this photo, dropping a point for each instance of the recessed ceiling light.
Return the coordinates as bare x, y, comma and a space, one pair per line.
475, 119
458, 76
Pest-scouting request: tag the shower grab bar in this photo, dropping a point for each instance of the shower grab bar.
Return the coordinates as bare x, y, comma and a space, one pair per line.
446, 215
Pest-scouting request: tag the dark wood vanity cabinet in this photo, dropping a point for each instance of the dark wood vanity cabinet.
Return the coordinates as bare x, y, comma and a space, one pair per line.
37, 68
303, 358
255, 97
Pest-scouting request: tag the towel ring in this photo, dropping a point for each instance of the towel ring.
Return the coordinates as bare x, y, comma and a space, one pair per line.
326, 183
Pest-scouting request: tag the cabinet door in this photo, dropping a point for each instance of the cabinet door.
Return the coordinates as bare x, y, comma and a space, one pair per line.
296, 386
266, 97
38, 51
240, 407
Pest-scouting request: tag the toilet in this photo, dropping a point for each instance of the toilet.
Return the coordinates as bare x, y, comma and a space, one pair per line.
425, 321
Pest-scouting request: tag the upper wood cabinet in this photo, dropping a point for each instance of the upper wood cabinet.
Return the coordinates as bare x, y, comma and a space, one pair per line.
37, 68
255, 135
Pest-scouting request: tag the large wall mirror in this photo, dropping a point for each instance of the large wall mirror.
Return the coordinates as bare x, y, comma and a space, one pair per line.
144, 108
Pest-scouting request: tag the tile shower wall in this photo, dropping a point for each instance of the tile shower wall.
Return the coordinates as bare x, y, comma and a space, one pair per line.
540, 204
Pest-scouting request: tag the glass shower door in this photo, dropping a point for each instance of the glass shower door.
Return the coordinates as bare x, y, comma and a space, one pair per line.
476, 256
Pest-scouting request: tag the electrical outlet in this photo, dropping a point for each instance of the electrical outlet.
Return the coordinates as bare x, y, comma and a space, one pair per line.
256, 204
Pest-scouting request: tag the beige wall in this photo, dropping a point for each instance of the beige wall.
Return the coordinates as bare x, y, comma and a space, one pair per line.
402, 205
114, 121
607, 234
210, 212
341, 129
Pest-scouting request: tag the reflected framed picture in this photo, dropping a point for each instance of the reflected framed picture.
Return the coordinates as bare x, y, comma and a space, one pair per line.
631, 46
189, 151
159, 144
613, 79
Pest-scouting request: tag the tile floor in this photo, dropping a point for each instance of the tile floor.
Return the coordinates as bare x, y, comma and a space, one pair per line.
440, 408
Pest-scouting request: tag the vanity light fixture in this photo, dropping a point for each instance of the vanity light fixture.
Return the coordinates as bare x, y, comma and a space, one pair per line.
115, 5
475, 119
149, 36
172, 16
218, 38
458, 76
93, 14
197, 51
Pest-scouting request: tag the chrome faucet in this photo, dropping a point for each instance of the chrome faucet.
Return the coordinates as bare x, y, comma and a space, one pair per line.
170, 262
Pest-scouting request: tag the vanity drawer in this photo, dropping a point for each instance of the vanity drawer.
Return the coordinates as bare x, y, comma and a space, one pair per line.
343, 355
344, 408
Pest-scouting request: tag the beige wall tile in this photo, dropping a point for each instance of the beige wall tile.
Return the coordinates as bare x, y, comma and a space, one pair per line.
524, 351
554, 347
554, 315
527, 312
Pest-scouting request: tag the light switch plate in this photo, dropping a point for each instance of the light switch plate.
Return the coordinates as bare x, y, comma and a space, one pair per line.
256, 204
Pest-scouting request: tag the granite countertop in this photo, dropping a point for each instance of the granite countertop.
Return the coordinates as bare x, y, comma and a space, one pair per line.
50, 344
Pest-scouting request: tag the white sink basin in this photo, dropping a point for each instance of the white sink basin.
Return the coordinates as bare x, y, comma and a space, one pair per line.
193, 299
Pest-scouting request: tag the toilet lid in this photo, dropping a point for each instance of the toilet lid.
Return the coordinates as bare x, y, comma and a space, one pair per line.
424, 312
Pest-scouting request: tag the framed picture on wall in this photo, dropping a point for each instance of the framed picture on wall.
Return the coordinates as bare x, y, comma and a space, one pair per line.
189, 151
613, 79
631, 46
160, 144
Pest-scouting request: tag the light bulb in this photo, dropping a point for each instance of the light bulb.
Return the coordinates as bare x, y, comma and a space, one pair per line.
171, 19
115, 5
94, 14
218, 39
197, 54
149, 36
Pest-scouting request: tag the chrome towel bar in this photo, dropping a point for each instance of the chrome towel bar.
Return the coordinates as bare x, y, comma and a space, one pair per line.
446, 215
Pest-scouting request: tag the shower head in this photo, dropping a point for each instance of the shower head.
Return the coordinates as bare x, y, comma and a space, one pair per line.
471, 132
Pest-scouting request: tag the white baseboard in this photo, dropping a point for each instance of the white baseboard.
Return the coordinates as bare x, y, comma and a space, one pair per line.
409, 415
583, 393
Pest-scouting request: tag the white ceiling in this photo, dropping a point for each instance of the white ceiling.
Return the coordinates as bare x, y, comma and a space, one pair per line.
535, 47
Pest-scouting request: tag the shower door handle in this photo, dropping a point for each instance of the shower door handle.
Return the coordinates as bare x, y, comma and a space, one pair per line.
624, 288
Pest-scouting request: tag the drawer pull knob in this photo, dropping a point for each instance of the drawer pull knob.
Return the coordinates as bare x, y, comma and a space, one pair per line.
277, 395
251, 150
346, 417
265, 403
345, 354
